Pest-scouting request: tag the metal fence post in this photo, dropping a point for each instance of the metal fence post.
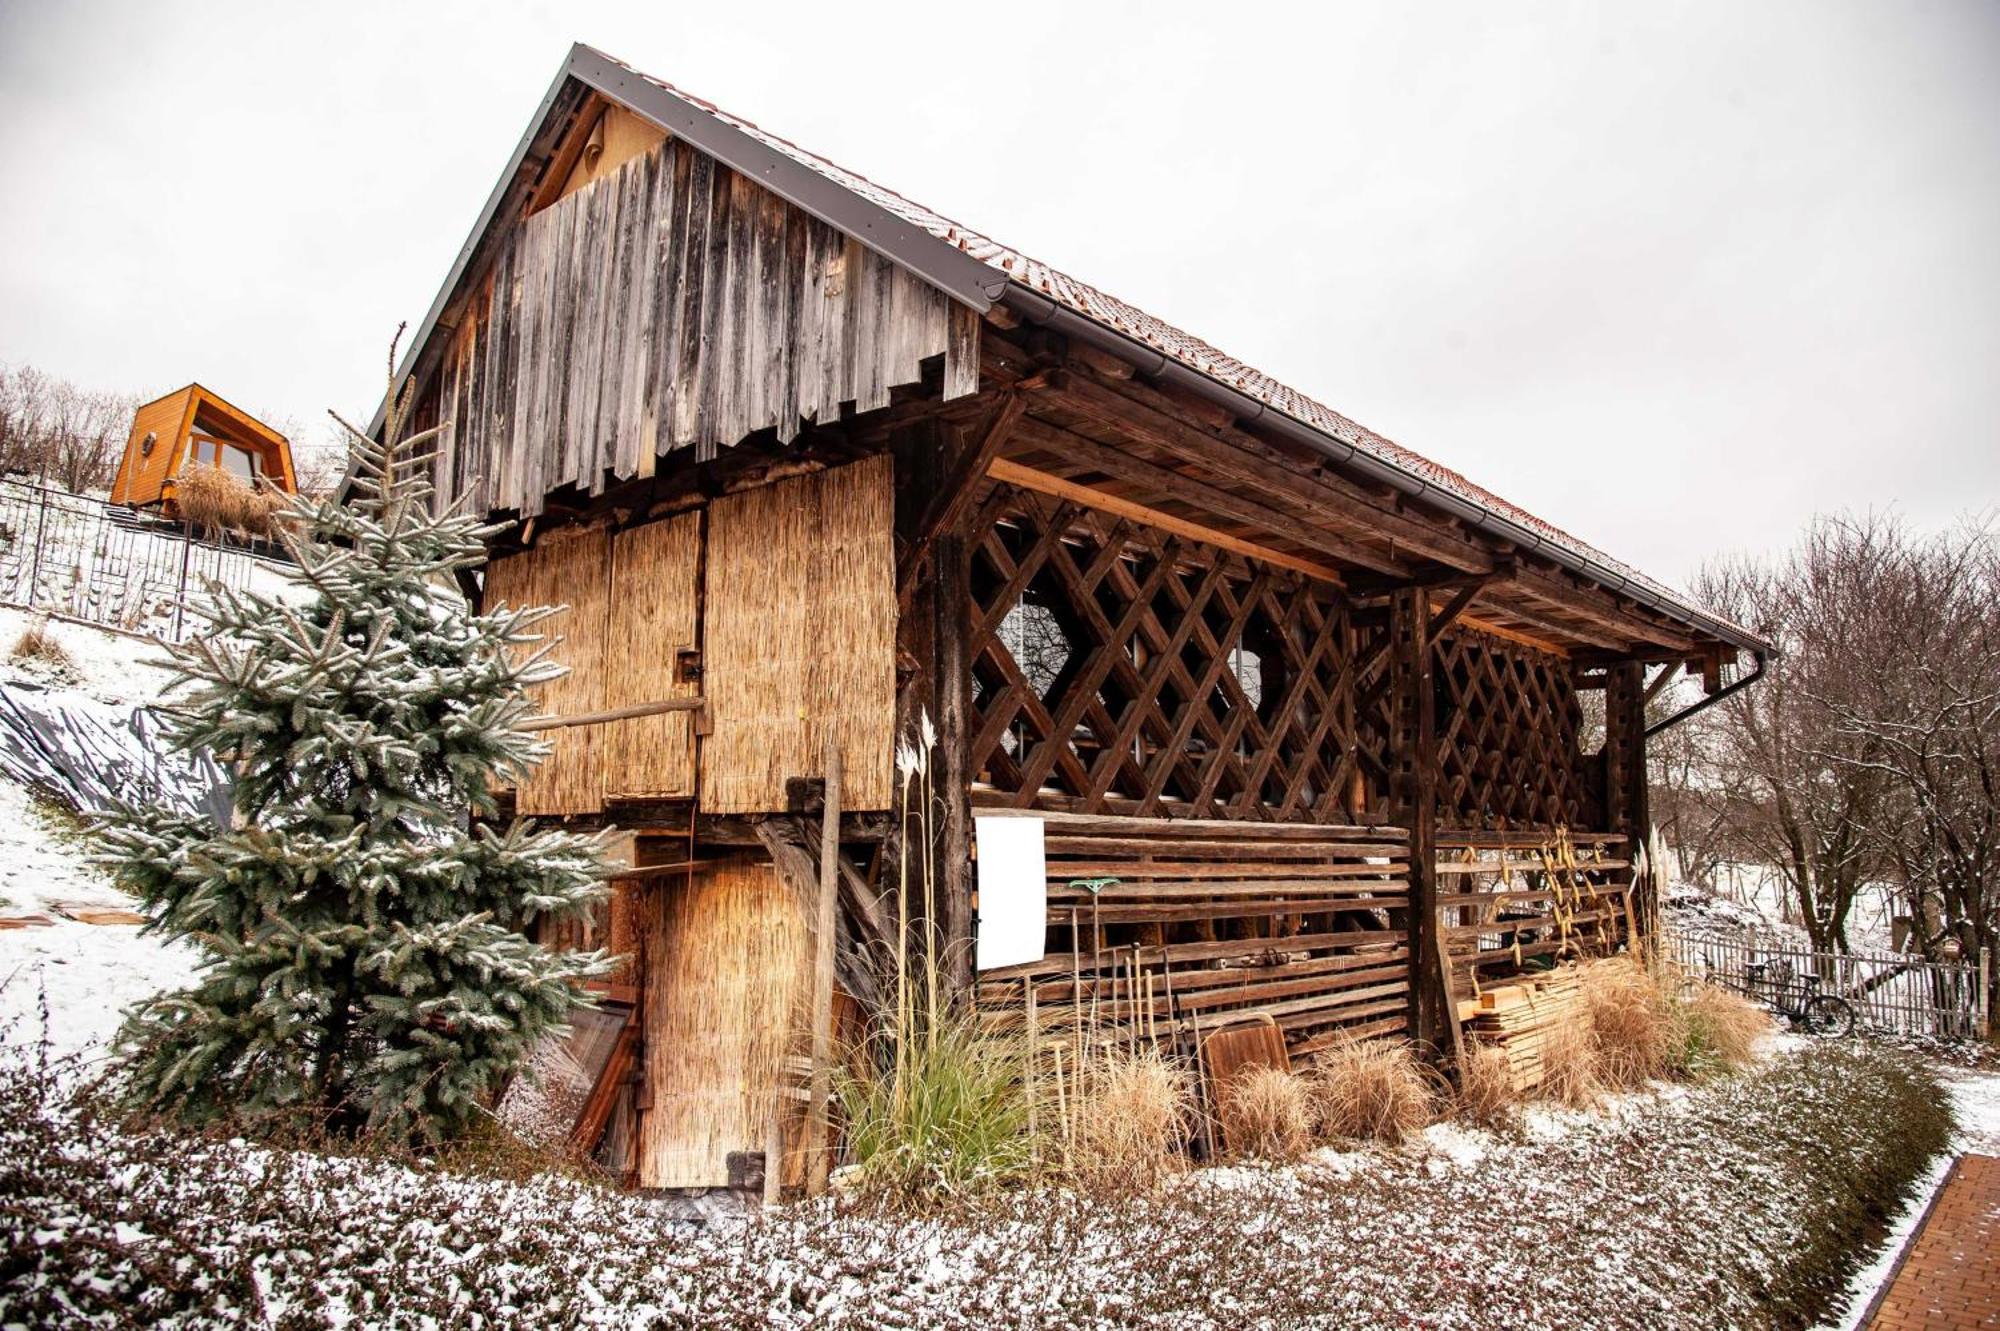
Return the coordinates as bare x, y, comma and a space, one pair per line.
41, 529
180, 595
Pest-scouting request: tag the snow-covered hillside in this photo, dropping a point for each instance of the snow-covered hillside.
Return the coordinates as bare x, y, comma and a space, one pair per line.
86, 973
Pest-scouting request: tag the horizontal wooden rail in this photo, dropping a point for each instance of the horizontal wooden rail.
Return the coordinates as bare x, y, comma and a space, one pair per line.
615, 714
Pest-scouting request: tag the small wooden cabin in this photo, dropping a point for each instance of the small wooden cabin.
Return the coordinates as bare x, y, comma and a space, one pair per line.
1299, 712
194, 426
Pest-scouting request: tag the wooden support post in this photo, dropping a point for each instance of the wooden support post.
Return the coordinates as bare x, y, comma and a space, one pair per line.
819, 1131
1626, 803
774, 1152
1413, 741
952, 685
935, 680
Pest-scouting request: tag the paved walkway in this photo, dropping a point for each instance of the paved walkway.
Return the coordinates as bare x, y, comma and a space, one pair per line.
1949, 1274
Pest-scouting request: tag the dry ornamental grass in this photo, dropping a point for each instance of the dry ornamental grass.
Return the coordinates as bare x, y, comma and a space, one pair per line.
1369, 1090
36, 644
1486, 1093
1630, 1019
1266, 1114
215, 501
1134, 1122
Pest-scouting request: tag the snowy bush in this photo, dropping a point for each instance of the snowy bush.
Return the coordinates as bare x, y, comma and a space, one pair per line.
1741, 1202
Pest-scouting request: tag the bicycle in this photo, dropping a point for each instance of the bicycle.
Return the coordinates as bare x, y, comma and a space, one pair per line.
1798, 998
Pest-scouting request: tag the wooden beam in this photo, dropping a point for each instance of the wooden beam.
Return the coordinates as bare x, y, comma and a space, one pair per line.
1013, 473
1089, 453
1444, 617
615, 714
1659, 682
1541, 622
819, 1129
1137, 409
1585, 604
955, 493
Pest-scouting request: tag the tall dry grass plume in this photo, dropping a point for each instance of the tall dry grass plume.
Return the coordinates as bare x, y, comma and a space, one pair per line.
1369, 1090
1486, 1092
217, 502
1266, 1114
1132, 1121
936, 1104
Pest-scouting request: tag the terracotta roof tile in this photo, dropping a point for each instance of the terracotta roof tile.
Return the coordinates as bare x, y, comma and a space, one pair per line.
1165, 338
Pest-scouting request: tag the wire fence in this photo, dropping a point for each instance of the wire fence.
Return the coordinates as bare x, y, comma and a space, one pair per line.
91, 560
1892, 993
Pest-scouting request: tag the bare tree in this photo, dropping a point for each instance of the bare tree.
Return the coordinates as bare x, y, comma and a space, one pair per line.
60, 434
1921, 712
1778, 763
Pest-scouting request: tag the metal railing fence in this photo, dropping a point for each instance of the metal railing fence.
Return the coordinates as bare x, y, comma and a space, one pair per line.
1892, 992
88, 559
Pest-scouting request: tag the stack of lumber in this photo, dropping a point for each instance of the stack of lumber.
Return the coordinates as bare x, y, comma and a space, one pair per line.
1517, 1016
1184, 926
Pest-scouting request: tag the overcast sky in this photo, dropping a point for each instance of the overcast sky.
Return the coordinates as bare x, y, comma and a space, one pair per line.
1672, 276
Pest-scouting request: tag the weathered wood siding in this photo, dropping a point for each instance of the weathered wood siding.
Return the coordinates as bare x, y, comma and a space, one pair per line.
673, 304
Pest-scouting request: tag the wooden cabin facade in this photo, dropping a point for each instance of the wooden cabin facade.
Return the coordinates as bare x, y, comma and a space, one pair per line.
817, 470
196, 427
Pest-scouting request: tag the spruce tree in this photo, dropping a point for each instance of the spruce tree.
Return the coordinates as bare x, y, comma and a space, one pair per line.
363, 924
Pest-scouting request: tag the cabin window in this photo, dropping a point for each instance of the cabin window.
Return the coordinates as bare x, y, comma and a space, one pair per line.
239, 462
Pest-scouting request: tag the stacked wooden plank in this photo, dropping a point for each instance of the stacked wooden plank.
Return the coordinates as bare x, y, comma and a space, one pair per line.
1516, 1018
1181, 926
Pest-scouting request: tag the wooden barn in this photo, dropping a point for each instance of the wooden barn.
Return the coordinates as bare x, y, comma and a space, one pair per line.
195, 427
1298, 718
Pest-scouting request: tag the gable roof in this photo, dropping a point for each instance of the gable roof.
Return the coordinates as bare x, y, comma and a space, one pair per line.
981, 272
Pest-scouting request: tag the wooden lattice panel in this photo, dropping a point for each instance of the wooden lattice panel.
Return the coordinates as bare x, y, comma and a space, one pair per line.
1506, 722
1118, 667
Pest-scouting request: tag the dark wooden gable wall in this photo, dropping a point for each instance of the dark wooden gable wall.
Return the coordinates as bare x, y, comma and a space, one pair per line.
673, 305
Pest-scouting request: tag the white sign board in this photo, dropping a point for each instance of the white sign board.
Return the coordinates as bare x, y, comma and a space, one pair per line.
1013, 891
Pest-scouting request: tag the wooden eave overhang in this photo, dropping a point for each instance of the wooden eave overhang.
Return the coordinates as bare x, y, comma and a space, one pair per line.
1162, 437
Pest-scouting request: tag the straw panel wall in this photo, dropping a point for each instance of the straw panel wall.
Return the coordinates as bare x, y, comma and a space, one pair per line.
653, 617
566, 568
800, 638
727, 965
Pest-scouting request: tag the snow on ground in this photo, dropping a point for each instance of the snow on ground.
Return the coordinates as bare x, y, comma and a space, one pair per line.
1666, 1208
1724, 1206
88, 973
105, 665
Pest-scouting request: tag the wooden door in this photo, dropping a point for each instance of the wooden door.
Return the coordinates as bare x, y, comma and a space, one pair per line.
633, 609
728, 958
